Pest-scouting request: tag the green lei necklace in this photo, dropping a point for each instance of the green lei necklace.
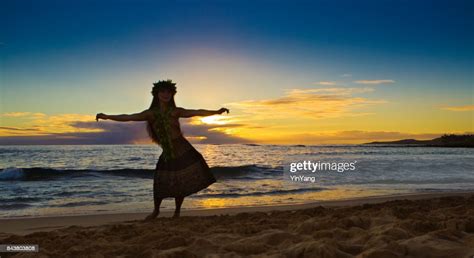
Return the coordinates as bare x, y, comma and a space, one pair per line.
162, 127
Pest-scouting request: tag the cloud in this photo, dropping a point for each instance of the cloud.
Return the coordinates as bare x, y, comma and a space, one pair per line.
13, 131
23, 114
83, 129
325, 83
308, 103
212, 133
18, 129
44, 124
346, 75
373, 82
459, 108
134, 132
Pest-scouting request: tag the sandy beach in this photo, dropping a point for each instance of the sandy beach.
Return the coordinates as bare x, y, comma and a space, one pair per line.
415, 225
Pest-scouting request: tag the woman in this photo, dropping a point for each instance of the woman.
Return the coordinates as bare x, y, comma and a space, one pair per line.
181, 170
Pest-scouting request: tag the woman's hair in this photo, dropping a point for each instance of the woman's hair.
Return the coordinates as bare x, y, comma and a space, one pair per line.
155, 103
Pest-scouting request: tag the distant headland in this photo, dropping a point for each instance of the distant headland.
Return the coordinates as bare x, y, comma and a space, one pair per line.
447, 140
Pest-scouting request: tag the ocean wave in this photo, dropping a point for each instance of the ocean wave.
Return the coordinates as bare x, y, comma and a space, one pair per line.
37, 173
14, 206
260, 193
245, 172
20, 199
77, 204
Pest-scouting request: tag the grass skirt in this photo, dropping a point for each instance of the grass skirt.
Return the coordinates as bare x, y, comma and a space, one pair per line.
188, 173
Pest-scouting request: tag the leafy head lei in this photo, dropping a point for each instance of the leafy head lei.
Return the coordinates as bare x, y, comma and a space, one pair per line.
164, 85
162, 123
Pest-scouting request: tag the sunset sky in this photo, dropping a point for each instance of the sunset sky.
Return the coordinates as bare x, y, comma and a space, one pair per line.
291, 72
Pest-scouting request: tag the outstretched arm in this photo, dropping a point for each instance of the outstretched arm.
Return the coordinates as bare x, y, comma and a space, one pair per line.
200, 112
142, 116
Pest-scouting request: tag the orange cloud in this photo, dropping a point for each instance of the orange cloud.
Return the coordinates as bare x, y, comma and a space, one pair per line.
83, 129
326, 83
42, 124
459, 108
308, 103
15, 131
23, 114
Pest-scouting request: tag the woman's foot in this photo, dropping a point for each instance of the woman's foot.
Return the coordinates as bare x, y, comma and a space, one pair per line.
178, 201
152, 216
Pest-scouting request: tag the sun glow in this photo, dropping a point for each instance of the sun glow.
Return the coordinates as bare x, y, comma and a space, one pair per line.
214, 120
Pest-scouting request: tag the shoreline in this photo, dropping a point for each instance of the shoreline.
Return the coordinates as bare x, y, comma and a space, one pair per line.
28, 225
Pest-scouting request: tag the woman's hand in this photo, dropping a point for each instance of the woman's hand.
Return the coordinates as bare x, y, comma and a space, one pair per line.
100, 116
222, 110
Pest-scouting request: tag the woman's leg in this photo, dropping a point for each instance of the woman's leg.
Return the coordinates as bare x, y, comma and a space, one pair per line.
157, 203
178, 201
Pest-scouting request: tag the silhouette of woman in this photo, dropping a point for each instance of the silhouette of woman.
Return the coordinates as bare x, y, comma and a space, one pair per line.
181, 170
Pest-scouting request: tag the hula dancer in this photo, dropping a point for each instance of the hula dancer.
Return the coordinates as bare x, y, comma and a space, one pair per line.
181, 170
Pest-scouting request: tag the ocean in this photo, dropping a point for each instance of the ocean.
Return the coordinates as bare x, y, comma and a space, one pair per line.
51, 180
